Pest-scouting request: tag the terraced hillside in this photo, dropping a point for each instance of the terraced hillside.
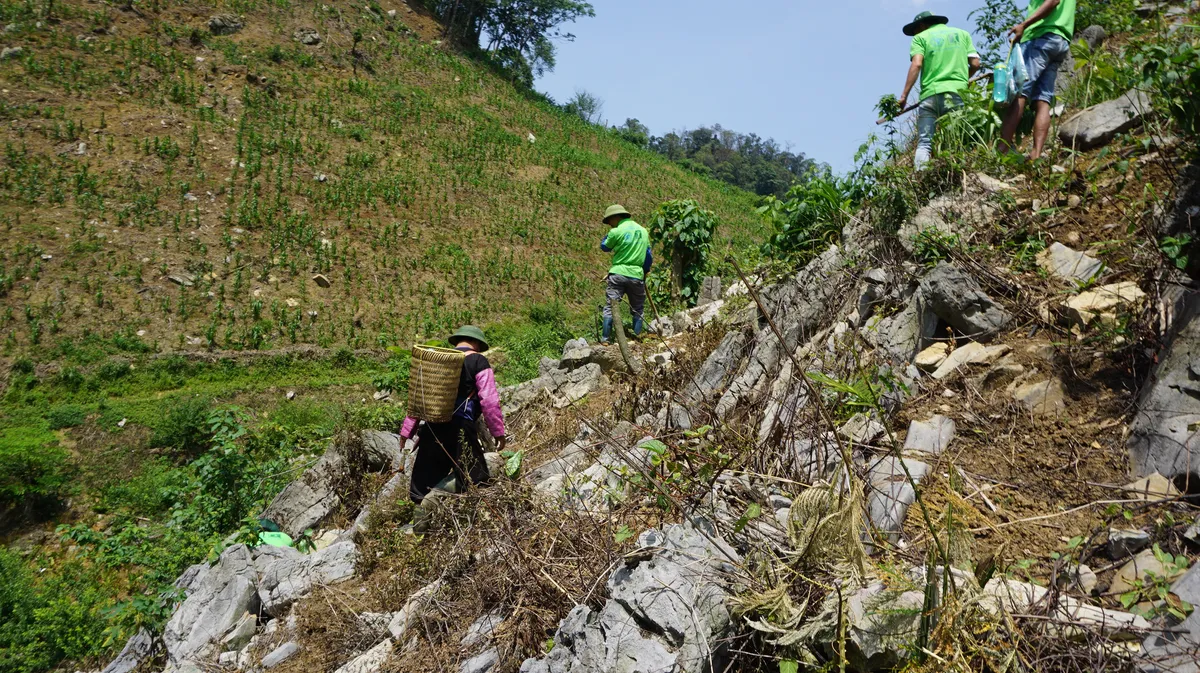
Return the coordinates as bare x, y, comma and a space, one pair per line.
292, 172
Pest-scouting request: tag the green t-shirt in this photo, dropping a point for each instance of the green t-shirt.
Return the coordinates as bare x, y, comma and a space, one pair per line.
946, 51
1060, 21
628, 242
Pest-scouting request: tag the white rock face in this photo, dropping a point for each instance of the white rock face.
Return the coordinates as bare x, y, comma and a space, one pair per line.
1067, 264
216, 604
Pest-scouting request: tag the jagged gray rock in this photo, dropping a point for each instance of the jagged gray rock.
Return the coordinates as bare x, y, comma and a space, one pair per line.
285, 576
280, 654
137, 649
1093, 36
717, 368
954, 296
1098, 124
370, 661
481, 663
932, 436
1177, 651
305, 502
217, 602
1069, 265
891, 494
1162, 436
561, 386
385, 450
666, 613
481, 629
710, 290
225, 24
307, 36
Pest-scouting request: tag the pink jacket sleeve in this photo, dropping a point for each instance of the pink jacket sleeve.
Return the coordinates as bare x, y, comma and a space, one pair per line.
410, 425
489, 400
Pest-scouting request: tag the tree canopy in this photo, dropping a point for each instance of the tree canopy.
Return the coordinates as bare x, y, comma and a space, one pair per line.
517, 34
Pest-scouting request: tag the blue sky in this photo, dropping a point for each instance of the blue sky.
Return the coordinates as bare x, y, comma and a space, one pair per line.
805, 73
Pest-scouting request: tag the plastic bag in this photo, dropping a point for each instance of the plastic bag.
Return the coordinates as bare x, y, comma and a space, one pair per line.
1018, 74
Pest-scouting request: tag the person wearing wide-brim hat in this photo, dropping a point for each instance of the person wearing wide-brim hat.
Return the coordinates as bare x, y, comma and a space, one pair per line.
944, 58
629, 243
454, 447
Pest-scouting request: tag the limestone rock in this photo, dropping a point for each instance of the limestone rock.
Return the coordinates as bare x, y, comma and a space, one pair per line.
240, 635
956, 298
385, 450
287, 577
370, 661
1163, 435
307, 36
137, 649
932, 436
11, 53
1067, 264
1017, 597
1044, 398
717, 369
1104, 302
970, 354
862, 429
710, 290
1125, 543
667, 611
413, 608
931, 358
280, 654
216, 604
305, 502
1174, 651
481, 663
481, 629
1151, 487
1093, 36
225, 24
1098, 124
1139, 567
321, 280
891, 494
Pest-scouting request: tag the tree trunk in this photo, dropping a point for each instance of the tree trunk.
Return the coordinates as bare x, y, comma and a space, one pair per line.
677, 276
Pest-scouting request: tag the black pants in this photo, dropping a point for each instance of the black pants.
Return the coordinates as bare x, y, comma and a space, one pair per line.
443, 448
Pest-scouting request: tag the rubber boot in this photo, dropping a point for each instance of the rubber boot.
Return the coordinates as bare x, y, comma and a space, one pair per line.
637, 327
607, 334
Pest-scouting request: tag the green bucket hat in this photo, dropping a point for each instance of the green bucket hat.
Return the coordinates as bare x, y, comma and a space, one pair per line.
615, 210
922, 18
469, 332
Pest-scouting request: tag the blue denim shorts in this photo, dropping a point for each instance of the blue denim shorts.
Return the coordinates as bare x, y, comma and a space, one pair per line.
1043, 56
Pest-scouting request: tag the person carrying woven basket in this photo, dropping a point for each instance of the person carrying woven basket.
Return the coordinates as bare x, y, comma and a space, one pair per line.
443, 448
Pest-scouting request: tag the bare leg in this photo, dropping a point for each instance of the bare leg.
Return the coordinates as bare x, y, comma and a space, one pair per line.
1041, 128
1008, 131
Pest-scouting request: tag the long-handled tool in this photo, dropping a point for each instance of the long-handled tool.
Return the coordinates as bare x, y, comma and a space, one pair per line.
914, 106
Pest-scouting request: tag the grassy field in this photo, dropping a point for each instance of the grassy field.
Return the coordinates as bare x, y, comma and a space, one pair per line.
162, 182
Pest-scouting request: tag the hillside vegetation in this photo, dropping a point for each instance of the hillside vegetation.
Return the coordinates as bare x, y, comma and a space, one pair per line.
167, 188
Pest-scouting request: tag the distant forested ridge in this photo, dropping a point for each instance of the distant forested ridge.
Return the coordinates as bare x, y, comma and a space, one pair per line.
743, 159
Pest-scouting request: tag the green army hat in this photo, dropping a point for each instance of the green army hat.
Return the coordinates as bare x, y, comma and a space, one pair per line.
615, 210
922, 18
469, 332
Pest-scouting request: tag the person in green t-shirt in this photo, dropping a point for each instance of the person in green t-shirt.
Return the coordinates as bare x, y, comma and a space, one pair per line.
944, 58
629, 243
1045, 36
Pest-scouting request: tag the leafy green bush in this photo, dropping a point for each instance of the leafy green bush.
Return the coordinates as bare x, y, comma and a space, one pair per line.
1171, 69
973, 126
809, 219
66, 416
1115, 16
112, 370
684, 231
185, 426
158, 486
34, 469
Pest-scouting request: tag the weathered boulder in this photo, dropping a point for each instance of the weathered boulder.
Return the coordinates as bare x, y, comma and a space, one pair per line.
225, 24
932, 436
717, 369
667, 612
286, 577
710, 290
1042, 398
385, 450
891, 494
1017, 597
904, 334
482, 662
1162, 437
1093, 36
370, 661
1098, 124
1175, 650
307, 36
305, 502
880, 623
1069, 265
413, 608
1104, 303
1125, 543
217, 602
137, 649
573, 457
560, 386
280, 654
481, 629
955, 297
971, 354
1141, 567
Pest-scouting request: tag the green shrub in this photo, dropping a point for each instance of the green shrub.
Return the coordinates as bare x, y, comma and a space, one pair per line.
70, 378
684, 233
34, 469
66, 416
151, 492
185, 426
113, 370
808, 219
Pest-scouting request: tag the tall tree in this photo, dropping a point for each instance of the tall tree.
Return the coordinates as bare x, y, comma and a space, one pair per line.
585, 105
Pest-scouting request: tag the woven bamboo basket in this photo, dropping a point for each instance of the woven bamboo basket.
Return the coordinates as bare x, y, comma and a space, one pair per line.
433, 383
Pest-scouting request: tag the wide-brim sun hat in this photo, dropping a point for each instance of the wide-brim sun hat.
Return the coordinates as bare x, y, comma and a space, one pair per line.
615, 209
922, 18
469, 332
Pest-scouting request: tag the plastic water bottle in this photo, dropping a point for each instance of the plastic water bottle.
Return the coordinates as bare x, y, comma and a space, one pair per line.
1000, 83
